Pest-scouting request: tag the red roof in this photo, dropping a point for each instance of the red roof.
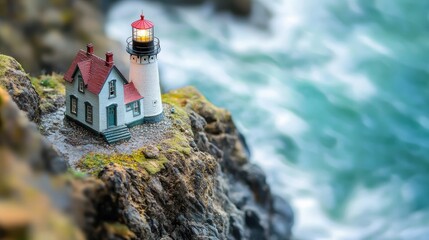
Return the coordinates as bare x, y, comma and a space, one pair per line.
94, 71
85, 67
130, 93
142, 23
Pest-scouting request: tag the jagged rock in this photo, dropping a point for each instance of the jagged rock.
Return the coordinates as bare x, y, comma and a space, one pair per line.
247, 185
281, 211
22, 136
18, 85
151, 152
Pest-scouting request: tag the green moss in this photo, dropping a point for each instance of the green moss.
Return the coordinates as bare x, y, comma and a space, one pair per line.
177, 143
189, 97
49, 88
49, 84
93, 163
6, 63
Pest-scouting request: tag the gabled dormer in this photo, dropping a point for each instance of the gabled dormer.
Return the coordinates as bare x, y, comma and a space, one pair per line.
93, 71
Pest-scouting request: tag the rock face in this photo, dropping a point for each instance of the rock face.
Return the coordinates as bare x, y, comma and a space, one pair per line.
262, 215
196, 183
210, 191
265, 215
16, 82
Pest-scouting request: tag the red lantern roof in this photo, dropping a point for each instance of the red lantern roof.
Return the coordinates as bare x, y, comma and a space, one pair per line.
142, 23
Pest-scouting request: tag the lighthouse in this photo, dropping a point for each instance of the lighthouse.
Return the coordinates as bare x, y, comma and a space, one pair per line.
143, 48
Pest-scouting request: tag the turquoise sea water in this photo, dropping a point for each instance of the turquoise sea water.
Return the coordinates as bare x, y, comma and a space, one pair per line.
332, 96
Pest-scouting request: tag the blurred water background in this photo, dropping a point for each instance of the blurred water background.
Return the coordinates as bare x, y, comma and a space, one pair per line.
332, 97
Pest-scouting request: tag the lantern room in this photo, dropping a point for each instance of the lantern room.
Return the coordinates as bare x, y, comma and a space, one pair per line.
142, 42
142, 30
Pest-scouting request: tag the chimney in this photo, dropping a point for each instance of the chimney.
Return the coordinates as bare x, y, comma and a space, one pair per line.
89, 48
109, 58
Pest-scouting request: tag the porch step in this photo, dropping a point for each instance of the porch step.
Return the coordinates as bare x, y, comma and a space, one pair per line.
112, 135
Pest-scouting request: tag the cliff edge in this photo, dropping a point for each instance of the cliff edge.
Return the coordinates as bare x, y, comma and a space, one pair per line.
195, 181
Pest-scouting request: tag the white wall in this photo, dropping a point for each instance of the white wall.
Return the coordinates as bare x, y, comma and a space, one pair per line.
105, 101
145, 76
72, 89
129, 117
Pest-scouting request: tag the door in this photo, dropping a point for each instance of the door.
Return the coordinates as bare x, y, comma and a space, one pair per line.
111, 116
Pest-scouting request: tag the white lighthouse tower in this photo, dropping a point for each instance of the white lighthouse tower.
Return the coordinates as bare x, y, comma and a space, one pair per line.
143, 48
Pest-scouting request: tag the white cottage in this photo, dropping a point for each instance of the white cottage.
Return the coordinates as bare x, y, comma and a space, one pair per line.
101, 99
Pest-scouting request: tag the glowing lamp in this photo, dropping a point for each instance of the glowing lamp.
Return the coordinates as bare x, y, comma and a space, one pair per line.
143, 35
142, 30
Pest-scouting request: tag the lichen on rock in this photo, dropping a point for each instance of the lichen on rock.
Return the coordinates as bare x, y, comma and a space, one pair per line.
93, 163
51, 90
16, 82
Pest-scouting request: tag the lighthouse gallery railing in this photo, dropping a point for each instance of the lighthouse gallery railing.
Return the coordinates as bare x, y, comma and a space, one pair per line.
143, 50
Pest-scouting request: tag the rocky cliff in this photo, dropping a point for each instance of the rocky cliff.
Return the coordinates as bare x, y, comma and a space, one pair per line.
194, 182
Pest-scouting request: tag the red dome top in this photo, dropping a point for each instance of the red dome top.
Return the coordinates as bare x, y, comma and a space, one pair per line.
142, 23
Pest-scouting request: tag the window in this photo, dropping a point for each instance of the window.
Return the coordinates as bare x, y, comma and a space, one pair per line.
136, 108
80, 83
154, 103
128, 107
88, 112
112, 89
73, 105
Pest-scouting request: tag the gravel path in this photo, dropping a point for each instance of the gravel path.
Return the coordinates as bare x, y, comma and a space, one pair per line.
74, 141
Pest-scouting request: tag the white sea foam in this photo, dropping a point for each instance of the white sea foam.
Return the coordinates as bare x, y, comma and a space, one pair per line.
374, 45
358, 86
289, 123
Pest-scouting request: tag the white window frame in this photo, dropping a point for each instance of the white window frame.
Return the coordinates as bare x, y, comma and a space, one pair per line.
112, 88
136, 108
89, 113
73, 104
128, 107
80, 83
